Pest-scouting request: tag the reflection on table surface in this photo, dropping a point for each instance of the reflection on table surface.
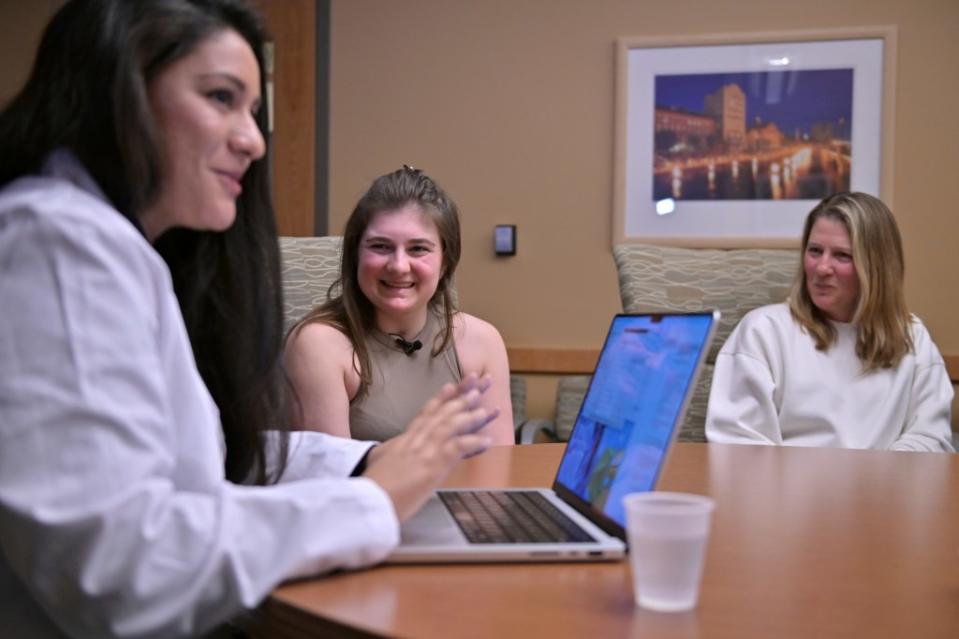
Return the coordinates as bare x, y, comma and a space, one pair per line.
805, 543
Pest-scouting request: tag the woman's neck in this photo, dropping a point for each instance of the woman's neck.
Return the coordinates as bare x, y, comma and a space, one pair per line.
406, 326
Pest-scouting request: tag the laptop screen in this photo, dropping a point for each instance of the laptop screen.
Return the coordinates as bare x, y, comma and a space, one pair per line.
632, 408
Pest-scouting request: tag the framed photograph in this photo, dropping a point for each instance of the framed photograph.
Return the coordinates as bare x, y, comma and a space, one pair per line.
730, 140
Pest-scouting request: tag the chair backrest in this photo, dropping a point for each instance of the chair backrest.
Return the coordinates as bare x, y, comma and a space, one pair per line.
659, 278
570, 393
517, 396
310, 266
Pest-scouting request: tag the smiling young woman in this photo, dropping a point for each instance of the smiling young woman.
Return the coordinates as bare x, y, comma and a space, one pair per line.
393, 326
843, 363
400, 263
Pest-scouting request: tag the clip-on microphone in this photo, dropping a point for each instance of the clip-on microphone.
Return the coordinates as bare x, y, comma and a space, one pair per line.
408, 347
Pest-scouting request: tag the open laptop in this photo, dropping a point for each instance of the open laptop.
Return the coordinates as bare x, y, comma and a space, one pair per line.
636, 401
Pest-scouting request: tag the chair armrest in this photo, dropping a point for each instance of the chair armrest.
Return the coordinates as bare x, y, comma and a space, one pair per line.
527, 431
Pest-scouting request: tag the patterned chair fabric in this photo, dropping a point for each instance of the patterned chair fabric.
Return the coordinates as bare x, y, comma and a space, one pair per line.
659, 278
517, 395
570, 392
310, 266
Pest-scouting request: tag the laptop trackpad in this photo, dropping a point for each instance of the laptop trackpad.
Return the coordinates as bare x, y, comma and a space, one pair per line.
431, 526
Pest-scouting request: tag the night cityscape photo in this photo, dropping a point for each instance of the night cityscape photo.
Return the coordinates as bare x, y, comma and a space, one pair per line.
758, 135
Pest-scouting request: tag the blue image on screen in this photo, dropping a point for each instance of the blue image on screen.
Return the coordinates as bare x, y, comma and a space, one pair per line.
620, 438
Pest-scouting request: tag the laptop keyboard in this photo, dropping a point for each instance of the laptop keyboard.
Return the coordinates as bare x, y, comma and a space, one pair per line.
499, 517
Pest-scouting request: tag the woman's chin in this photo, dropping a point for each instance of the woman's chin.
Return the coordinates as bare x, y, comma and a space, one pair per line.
400, 306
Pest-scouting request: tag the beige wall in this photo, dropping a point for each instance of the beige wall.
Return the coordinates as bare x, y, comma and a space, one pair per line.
22, 23
509, 104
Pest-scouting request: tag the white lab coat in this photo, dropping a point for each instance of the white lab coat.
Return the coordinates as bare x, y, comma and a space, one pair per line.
115, 517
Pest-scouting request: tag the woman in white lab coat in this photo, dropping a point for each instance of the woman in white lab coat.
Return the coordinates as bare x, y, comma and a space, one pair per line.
147, 488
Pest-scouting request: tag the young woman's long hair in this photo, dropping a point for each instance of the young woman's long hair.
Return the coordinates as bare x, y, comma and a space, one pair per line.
881, 317
88, 93
347, 308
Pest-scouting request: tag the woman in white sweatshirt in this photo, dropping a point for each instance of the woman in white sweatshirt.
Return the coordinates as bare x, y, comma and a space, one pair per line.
842, 363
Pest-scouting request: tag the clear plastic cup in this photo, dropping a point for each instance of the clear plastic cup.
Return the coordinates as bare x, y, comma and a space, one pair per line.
667, 535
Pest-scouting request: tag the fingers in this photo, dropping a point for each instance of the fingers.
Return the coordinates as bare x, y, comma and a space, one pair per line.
481, 418
470, 387
447, 430
473, 381
470, 445
446, 393
468, 383
448, 420
465, 415
484, 383
453, 412
449, 423
471, 399
447, 403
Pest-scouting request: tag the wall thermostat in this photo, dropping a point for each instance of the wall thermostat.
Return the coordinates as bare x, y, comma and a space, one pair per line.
504, 239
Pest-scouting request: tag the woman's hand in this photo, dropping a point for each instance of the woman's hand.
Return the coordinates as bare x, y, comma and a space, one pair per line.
410, 466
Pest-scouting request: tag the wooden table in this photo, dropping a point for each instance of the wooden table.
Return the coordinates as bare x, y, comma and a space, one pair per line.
805, 543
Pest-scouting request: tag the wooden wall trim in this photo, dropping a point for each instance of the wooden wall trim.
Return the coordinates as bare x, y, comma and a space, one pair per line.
952, 365
581, 361
556, 361
292, 24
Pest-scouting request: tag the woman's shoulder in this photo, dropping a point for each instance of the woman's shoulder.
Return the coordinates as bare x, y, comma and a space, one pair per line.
319, 335
762, 330
52, 216
765, 316
59, 203
469, 328
320, 359
923, 345
917, 326
479, 346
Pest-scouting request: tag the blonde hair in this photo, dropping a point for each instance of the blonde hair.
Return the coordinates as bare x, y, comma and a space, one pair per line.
882, 319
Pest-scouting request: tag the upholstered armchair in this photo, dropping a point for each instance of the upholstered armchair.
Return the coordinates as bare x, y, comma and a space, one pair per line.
658, 278
570, 391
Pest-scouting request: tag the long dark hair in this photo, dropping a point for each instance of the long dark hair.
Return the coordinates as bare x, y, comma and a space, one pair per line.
88, 93
350, 311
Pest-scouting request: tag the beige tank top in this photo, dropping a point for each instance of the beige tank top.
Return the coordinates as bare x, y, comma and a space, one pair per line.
401, 383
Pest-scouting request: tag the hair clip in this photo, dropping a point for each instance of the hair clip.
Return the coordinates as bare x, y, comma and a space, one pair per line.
411, 169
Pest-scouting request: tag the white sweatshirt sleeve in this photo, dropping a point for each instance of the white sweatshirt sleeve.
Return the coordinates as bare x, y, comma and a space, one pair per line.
742, 399
928, 426
741, 409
